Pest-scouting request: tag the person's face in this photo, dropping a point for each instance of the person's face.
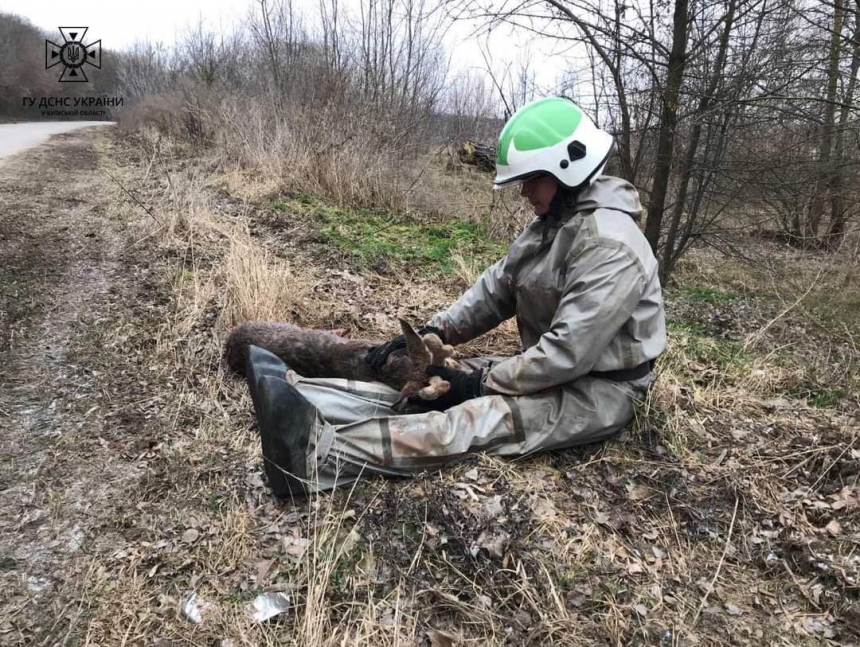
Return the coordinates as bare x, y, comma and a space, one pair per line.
539, 191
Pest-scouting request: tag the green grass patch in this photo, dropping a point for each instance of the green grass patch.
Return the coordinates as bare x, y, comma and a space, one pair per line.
823, 398
698, 346
723, 354
237, 597
706, 295
816, 394
686, 327
816, 383
730, 359
375, 238
289, 202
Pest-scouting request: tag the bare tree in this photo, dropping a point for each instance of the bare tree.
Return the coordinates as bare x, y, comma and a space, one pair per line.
707, 106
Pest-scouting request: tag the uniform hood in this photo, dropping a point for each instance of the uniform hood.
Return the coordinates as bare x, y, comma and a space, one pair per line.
608, 192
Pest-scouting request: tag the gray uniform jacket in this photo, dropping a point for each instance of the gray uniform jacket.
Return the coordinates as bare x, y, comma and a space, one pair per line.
584, 288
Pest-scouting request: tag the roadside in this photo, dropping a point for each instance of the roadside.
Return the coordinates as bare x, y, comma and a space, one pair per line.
131, 478
18, 136
62, 486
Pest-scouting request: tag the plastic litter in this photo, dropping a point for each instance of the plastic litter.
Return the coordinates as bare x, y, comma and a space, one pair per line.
268, 605
190, 608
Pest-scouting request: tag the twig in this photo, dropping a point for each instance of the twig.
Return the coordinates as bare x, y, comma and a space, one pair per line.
674, 523
830, 467
420, 545
149, 235
133, 197
426, 166
60, 617
799, 585
155, 151
719, 566
758, 335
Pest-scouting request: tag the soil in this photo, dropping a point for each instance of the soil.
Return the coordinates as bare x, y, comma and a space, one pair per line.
61, 486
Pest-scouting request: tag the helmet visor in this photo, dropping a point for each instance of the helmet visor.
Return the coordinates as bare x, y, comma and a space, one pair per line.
517, 181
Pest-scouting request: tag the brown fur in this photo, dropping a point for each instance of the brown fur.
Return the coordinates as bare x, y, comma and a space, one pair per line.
321, 353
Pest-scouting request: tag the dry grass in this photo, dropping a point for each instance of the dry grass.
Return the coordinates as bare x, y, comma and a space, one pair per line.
297, 152
710, 521
262, 155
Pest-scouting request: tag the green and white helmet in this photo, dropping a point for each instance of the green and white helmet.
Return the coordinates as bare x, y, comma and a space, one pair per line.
552, 136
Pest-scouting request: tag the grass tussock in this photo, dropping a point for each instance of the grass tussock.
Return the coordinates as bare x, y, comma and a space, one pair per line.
259, 286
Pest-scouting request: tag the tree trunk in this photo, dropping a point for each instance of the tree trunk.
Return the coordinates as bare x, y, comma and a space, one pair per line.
825, 181
669, 253
668, 122
838, 213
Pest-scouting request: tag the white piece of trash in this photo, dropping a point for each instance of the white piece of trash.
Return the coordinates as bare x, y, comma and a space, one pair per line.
268, 605
190, 608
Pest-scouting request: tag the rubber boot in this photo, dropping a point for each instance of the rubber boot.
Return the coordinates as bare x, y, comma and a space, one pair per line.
286, 420
258, 363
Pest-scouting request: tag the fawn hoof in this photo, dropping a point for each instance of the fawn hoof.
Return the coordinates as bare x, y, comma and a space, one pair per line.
286, 420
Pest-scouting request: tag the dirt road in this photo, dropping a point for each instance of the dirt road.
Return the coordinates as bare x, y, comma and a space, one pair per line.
15, 138
57, 267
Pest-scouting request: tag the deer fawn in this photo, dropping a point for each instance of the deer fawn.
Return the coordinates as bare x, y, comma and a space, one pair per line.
320, 353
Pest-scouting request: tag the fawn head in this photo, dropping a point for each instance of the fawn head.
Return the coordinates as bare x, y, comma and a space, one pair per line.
423, 352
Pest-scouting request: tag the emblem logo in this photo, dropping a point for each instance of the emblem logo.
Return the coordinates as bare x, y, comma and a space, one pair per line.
73, 54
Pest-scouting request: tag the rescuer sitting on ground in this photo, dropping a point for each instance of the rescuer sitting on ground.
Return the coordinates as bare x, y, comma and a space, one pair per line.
581, 281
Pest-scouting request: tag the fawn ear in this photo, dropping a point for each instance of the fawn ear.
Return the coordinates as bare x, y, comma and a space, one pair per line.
414, 344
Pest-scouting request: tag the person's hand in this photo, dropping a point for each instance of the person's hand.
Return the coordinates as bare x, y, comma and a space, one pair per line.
464, 386
378, 355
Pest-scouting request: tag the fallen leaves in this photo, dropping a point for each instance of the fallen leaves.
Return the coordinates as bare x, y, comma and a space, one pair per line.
639, 492
635, 568
815, 625
493, 507
846, 499
295, 547
834, 528
190, 536
439, 638
629, 526
493, 544
263, 568
544, 509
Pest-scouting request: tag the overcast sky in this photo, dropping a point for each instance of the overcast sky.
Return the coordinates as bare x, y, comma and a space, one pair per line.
119, 24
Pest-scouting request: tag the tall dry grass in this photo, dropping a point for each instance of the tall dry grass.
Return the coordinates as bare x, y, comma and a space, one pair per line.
343, 158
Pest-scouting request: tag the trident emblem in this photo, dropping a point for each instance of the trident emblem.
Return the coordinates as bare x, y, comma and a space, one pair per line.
73, 54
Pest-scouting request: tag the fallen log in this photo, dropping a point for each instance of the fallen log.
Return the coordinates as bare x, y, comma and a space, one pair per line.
481, 156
